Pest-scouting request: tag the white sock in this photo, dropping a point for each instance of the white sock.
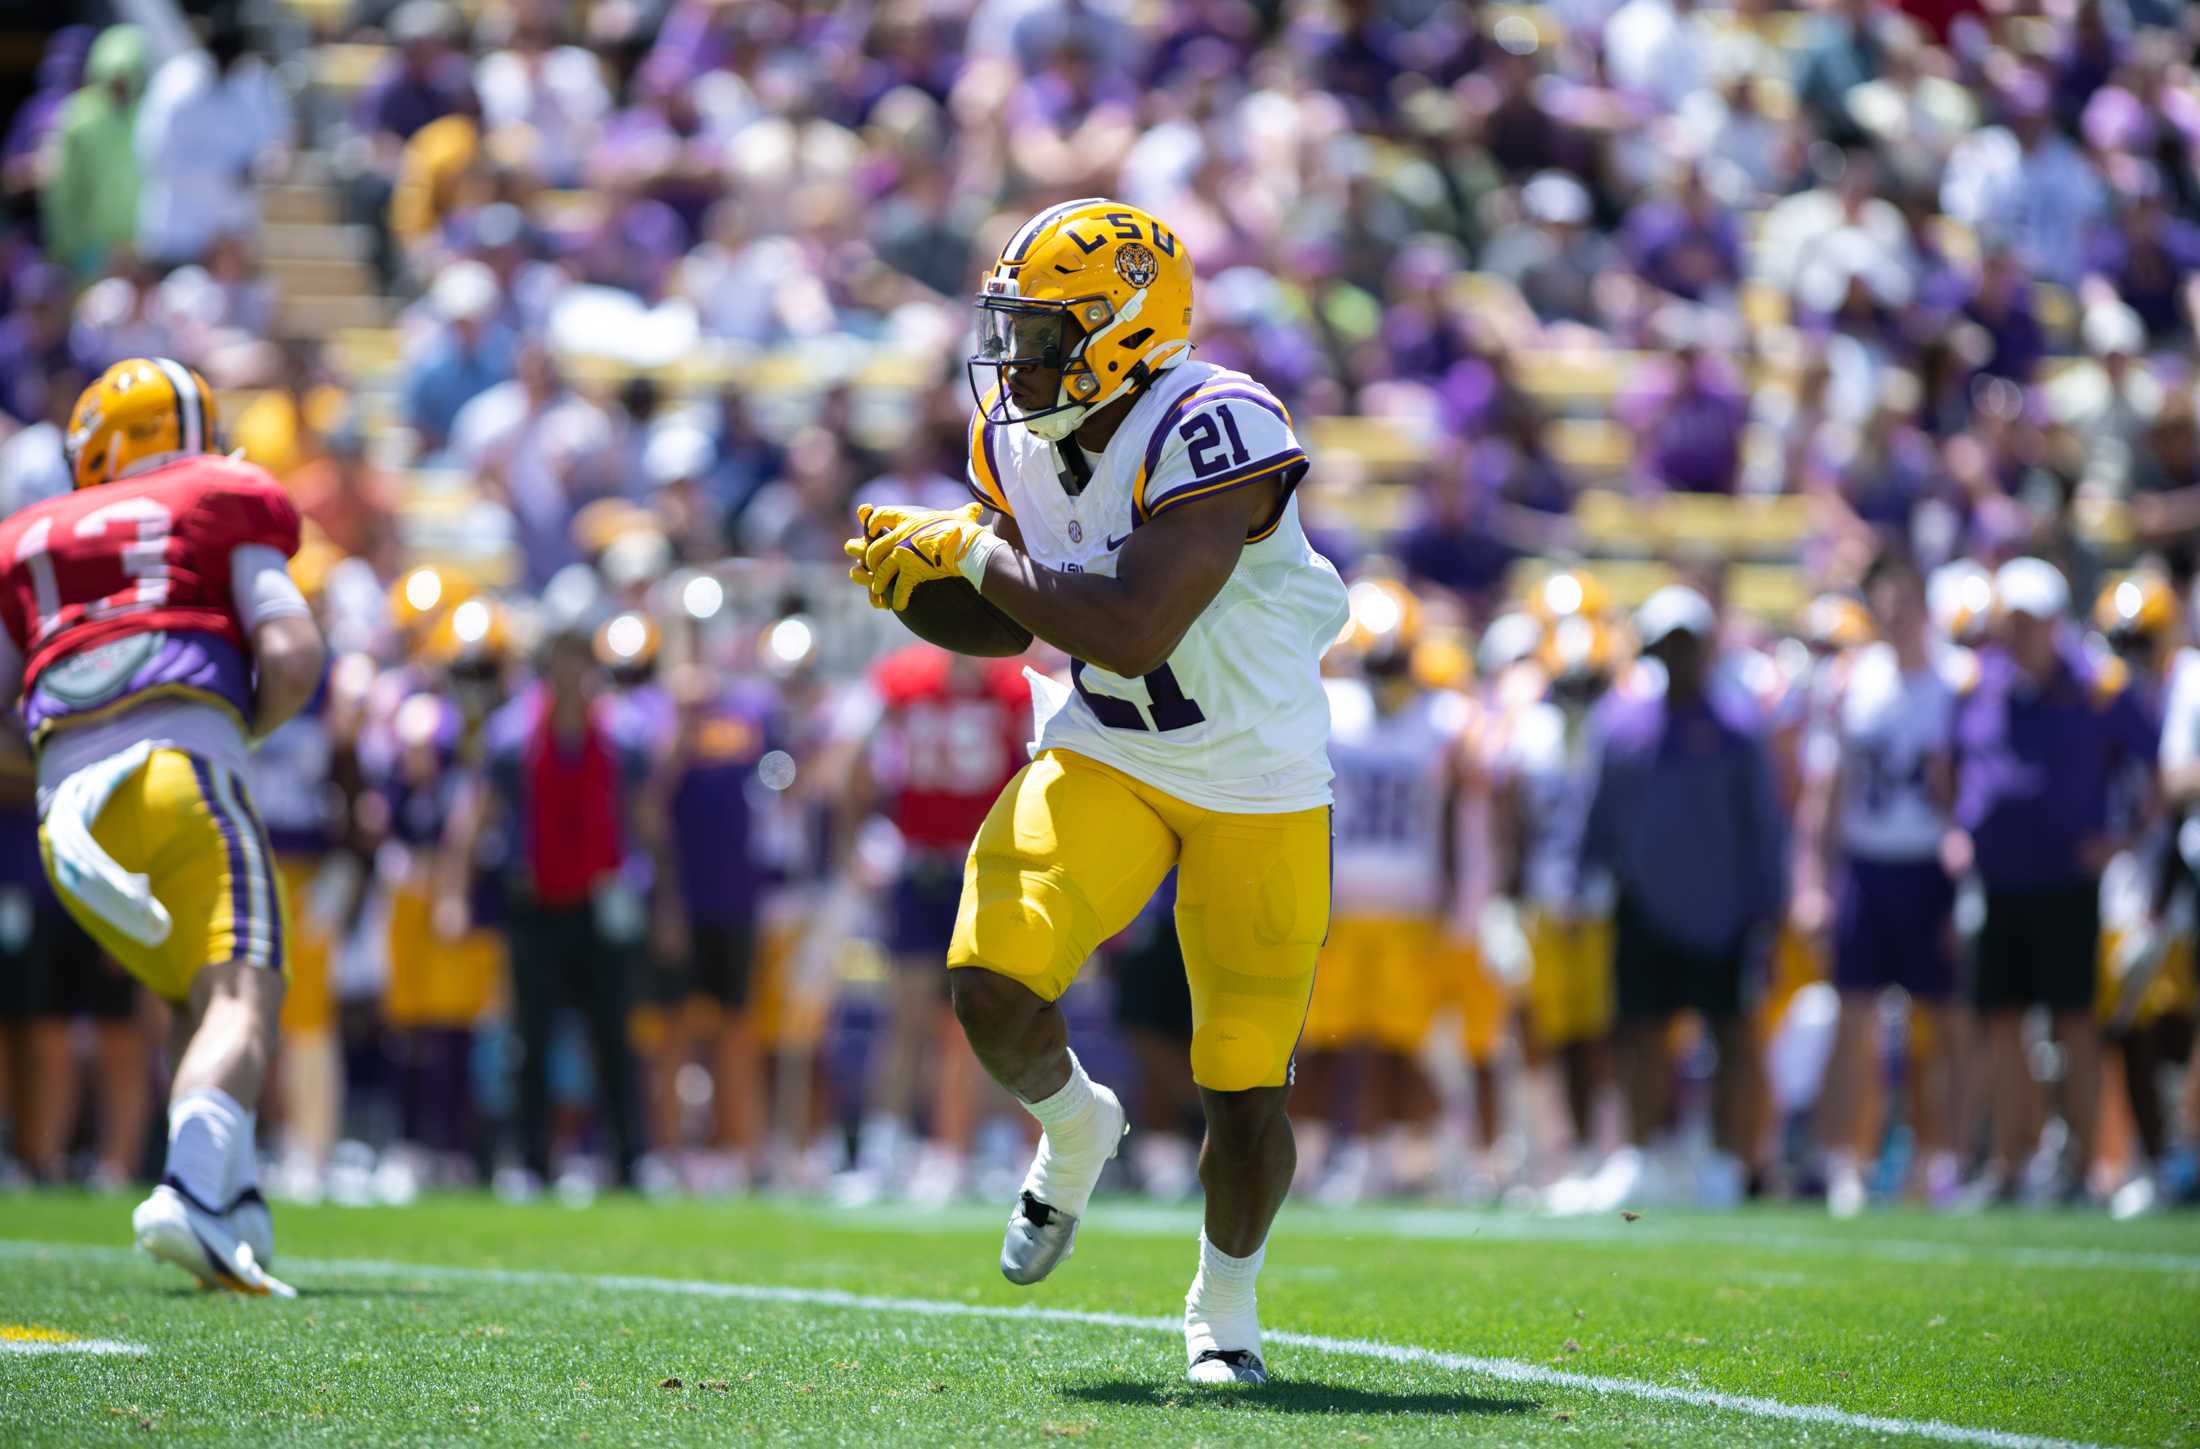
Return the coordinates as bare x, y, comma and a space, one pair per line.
1221, 1311
1070, 1151
203, 1130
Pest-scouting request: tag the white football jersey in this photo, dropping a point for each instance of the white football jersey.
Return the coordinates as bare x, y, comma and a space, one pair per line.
1392, 773
1236, 719
1890, 724
1554, 761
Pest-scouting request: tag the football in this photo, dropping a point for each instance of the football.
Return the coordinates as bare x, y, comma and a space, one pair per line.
954, 615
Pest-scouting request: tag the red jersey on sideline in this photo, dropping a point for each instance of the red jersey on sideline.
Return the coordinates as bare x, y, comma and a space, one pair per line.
960, 727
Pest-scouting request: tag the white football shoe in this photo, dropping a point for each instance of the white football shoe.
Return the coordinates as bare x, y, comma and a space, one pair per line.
1040, 1236
1223, 1347
248, 1217
207, 1245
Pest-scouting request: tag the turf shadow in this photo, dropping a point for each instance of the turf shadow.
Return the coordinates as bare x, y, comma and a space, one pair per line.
1292, 1396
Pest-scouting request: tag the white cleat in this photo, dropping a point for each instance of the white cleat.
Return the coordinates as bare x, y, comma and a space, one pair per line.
254, 1225
1040, 1236
1228, 1366
1222, 1340
206, 1245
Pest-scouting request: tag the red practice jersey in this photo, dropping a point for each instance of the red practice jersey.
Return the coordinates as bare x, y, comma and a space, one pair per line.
143, 559
960, 727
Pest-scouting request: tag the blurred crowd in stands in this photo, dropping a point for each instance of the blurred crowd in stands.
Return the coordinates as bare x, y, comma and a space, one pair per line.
1837, 314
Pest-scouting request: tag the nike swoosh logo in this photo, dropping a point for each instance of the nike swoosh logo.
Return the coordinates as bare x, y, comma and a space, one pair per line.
1116, 543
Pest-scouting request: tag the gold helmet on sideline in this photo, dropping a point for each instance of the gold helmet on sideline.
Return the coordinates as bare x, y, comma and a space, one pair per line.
141, 412
1382, 630
2139, 607
1569, 593
1095, 289
1835, 621
474, 633
421, 597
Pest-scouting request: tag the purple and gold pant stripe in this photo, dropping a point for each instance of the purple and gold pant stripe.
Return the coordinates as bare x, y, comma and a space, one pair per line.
255, 896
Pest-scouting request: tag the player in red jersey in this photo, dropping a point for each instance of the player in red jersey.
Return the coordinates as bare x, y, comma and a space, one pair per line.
153, 631
951, 732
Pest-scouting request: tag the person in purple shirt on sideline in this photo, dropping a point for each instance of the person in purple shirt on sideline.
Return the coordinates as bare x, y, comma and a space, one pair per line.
2040, 744
1686, 819
704, 934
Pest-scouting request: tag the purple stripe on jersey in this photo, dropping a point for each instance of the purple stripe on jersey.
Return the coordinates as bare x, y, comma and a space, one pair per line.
1222, 482
1200, 397
204, 663
239, 913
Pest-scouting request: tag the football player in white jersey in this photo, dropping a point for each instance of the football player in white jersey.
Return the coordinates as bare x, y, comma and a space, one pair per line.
1136, 510
1549, 774
1399, 752
1877, 823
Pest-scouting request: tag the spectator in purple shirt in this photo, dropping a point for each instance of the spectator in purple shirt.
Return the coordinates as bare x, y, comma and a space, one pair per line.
1687, 417
34, 343
2150, 257
60, 72
2002, 305
425, 81
1456, 543
1683, 241
1686, 819
2040, 742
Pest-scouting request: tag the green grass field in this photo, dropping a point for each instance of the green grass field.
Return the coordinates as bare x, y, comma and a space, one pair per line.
628, 1323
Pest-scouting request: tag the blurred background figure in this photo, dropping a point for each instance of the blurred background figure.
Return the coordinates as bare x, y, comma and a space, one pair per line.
1686, 820
1400, 753
2040, 740
951, 733
1875, 833
564, 768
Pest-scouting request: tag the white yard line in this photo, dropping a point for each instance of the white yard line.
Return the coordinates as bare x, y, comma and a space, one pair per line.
36, 1346
1503, 1370
1466, 1225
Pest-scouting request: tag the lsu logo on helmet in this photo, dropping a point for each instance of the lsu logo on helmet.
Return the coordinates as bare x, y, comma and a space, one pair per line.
1093, 291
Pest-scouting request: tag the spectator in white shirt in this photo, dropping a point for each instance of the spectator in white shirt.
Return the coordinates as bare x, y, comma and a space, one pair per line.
213, 122
553, 92
2025, 186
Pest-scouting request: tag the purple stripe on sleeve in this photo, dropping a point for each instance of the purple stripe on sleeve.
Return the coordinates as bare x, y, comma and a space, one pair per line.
1222, 482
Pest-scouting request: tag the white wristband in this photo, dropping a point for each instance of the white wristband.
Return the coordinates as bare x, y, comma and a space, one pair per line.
974, 558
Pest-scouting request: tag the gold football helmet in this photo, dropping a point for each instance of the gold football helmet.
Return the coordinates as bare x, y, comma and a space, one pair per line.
1095, 291
141, 411
2139, 604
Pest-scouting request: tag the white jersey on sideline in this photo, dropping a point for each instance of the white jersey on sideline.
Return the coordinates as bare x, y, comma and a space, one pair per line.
1236, 719
1391, 776
1553, 760
1890, 724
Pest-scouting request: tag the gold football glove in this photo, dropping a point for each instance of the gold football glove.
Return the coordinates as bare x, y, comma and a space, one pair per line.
903, 547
